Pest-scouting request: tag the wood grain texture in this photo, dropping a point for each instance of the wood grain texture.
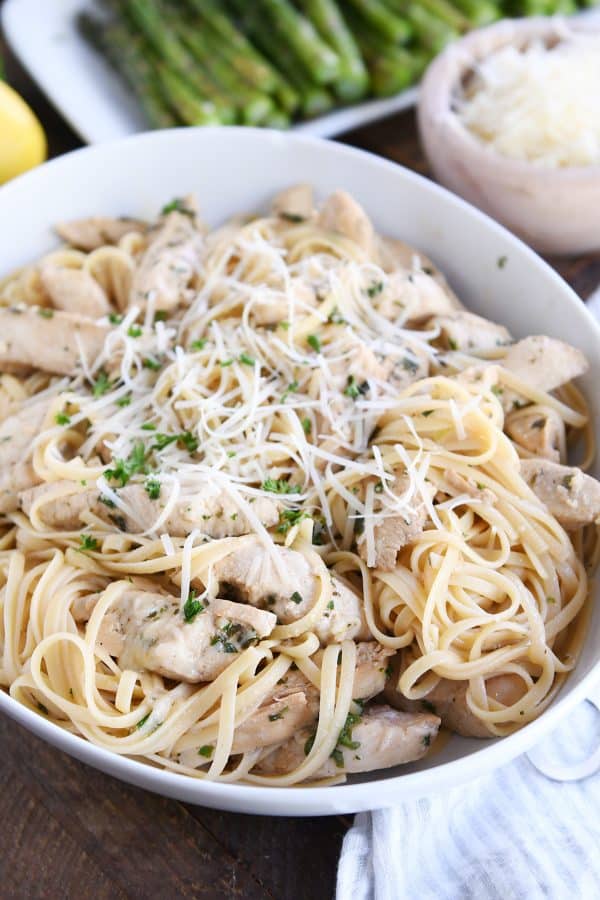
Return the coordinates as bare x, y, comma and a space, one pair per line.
71, 832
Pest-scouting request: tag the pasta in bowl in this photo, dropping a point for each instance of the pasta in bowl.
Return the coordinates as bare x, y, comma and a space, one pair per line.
277, 507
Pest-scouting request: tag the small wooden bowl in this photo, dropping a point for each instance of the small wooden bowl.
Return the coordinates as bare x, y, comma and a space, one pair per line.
553, 210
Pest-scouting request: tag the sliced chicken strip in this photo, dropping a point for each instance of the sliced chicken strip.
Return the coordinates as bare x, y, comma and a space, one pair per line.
211, 511
382, 738
342, 214
295, 701
470, 333
148, 631
461, 485
168, 263
295, 204
89, 234
251, 575
448, 700
571, 496
36, 338
395, 530
416, 296
400, 366
396, 256
538, 429
544, 363
74, 291
16, 437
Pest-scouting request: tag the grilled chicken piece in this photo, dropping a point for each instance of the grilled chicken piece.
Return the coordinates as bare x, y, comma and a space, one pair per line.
460, 485
211, 511
148, 631
470, 333
89, 234
571, 496
448, 700
290, 591
273, 308
168, 263
538, 429
342, 214
544, 363
294, 204
384, 736
16, 436
74, 291
399, 365
35, 338
396, 529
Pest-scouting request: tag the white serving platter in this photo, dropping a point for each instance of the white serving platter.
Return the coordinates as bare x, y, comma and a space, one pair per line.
94, 100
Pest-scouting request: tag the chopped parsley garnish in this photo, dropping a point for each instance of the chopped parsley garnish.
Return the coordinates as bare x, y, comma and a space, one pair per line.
134, 331
231, 630
152, 487
410, 365
123, 469
290, 517
160, 315
189, 441
206, 751
497, 390
314, 342
279, 486
124, 401
338, 757
307, 425
452, 344
296, 218
87, 542
567, 481
353, 389
330, 605
278, 715
345, 737
177, 205
199, 344
224, 363
246, 359
285, 325
426, 740
379, 487
149, 362
388, 671
336, 318
101, 384
501, 262
375, 288
45, 313
309, 744
296, 597
550, 599
163, 440
107, 501
192, 607
142, 721
42, 708
427, 412
115, 318
291, 389
148, 426
62, 418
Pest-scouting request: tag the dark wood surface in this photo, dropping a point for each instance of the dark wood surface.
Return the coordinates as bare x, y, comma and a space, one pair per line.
71, 832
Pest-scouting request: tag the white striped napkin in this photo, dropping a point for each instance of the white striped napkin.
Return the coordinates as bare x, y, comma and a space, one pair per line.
531, 830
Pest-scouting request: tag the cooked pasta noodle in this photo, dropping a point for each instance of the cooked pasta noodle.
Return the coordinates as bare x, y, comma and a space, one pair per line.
281, 505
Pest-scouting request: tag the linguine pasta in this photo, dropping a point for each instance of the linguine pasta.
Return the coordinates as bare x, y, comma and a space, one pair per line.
274, 506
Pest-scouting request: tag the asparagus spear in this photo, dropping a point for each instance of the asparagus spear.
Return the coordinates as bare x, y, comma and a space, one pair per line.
479, 12
431, 32
448, 13
127, 58
289, 27
184, 100
382, 20
254, 107
146, 15
244, 58
353, 79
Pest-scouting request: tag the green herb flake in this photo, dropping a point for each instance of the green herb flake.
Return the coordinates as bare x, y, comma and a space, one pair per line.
160, 315
87, 542
150, 362
115, 318
124, 401
43, 709
550, 599
178, 205
345, 736
278, 715
101, 385
309, 743
427, 412
338, 757
224, 363
142, 722
62, 418
410, 365
539, 423
280, 486
246, 359
288, 518
497, 390
192, 607
152, 488
314, 342
330, 605
375, 288
107, 501
45, 313
134, 331
353, 389
291, 389
206, 751
296, 597
567, 481
501, 261
306, 425
336, 318
426, 740
295, 218
148, 426
452, 344
123, 469
199, 344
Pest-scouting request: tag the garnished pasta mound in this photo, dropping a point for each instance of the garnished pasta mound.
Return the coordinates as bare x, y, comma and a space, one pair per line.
274, 506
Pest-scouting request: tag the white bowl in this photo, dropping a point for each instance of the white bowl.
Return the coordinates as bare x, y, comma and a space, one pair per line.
233, 170
554, 210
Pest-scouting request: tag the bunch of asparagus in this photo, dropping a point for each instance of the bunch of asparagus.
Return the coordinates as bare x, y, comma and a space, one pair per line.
267, 62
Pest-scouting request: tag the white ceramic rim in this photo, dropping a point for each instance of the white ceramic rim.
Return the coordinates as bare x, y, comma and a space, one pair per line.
309, 801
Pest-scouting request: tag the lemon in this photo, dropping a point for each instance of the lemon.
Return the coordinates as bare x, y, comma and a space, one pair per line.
22, 138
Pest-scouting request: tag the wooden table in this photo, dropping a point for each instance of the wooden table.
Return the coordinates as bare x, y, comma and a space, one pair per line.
71, 832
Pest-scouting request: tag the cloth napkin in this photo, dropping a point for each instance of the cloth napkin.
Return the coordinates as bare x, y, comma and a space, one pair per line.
516, 834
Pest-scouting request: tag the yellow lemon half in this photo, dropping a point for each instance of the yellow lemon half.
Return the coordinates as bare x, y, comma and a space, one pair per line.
22, 138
